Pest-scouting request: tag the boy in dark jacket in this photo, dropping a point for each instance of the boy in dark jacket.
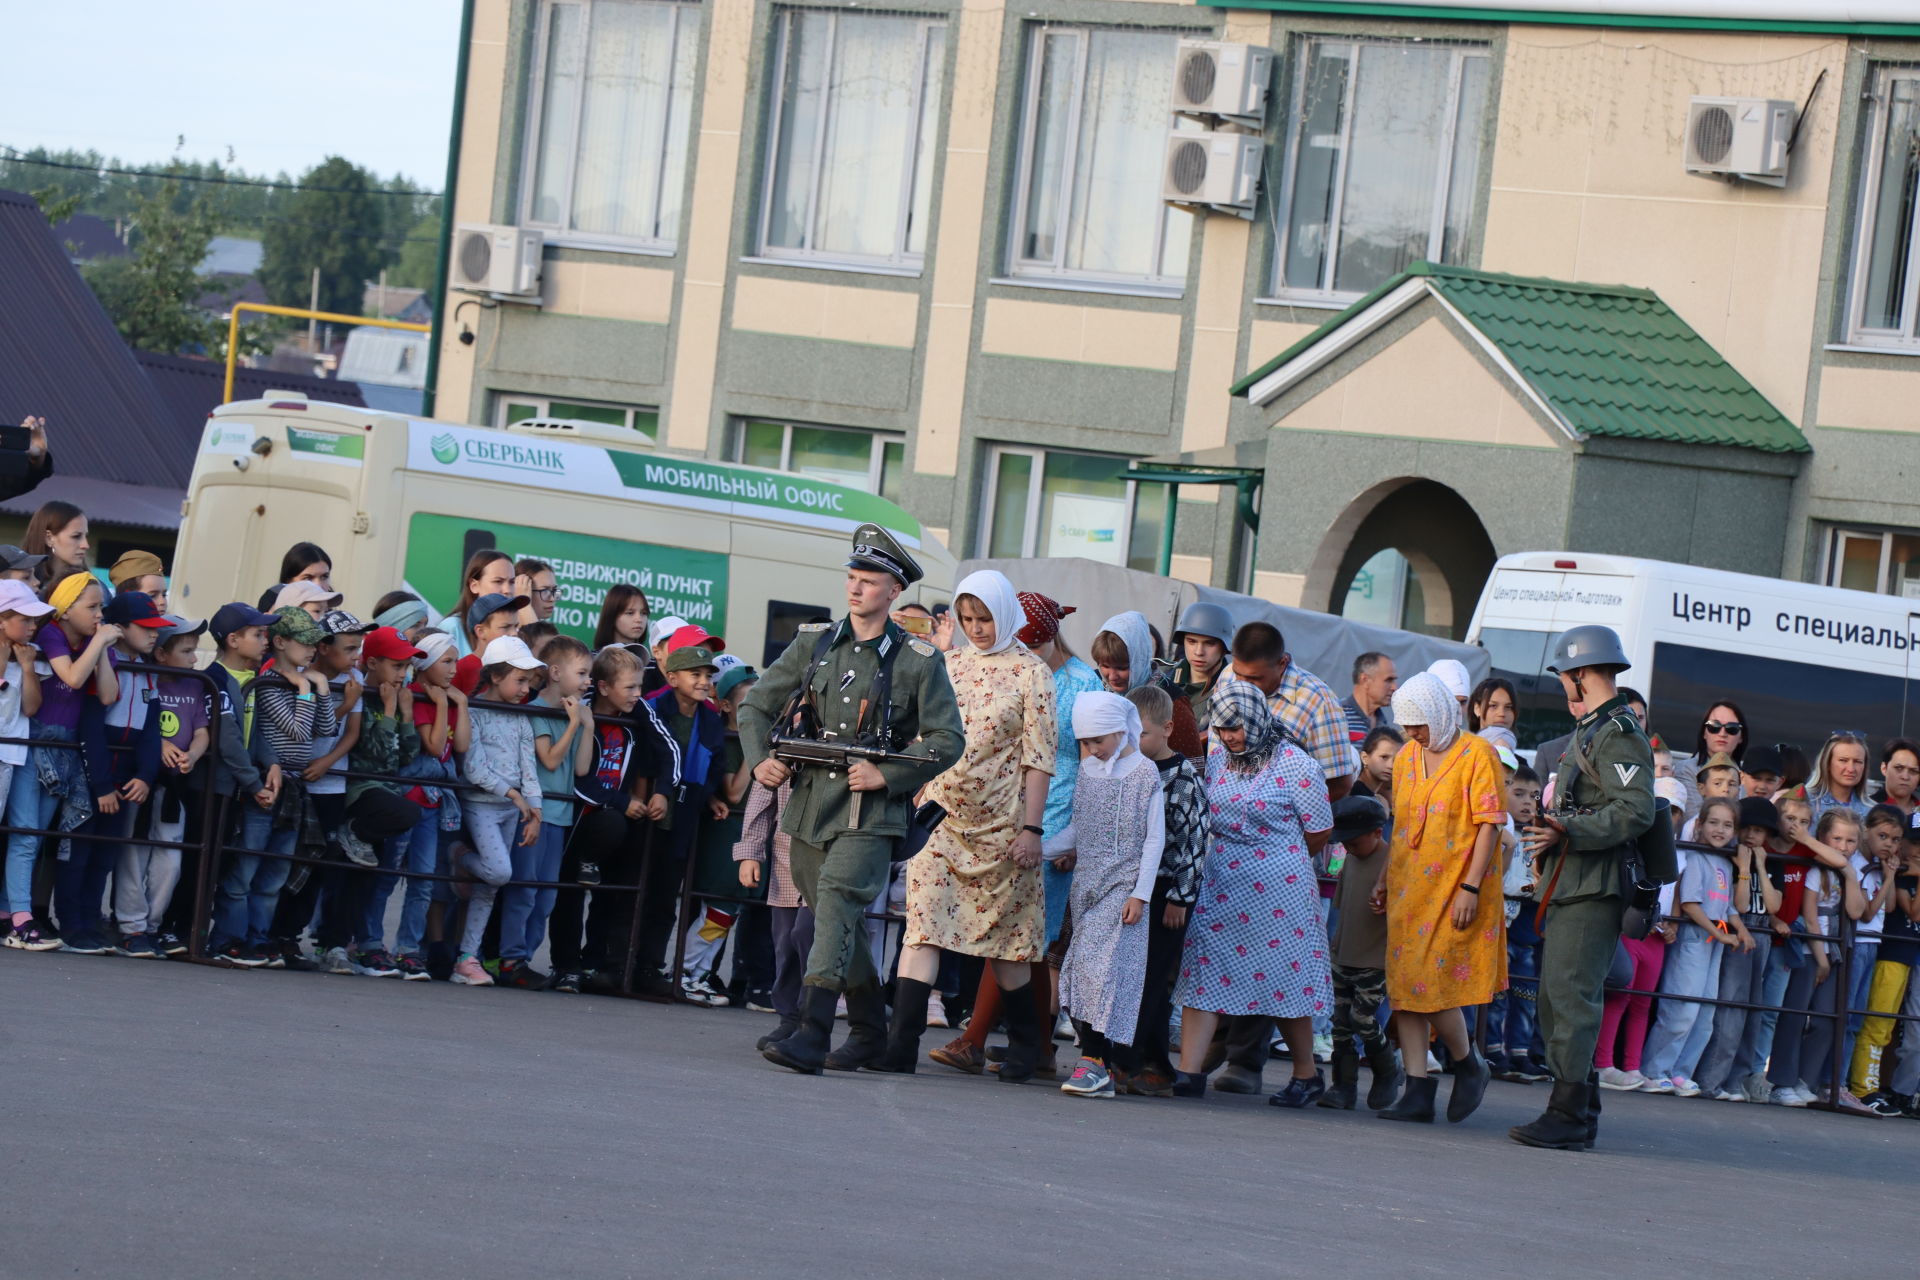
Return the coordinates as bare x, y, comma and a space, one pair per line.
241, 767
697, 735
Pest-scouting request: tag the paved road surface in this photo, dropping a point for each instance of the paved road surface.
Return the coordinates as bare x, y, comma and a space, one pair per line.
193, 1122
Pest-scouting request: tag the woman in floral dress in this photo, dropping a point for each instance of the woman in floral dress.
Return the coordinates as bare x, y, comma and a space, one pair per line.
975, 889
1255, 942
1446, 923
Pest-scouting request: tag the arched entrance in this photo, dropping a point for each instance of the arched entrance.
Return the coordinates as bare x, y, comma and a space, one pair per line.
1407, 553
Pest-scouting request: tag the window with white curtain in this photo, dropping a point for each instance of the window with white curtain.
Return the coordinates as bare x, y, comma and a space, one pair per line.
856, 108
607, 134
1886, 286
1383, 161
1087, 200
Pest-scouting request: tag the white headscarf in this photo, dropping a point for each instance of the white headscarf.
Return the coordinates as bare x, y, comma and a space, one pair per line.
1097, 713
1453, 674
432, 644
1423, 699
1135, 633
991, 588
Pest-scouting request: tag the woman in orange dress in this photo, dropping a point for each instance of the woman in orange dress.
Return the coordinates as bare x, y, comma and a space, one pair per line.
1446, 926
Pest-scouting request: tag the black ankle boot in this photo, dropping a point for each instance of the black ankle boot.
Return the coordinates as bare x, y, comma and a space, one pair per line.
1345, 1089
866, 1030
786, 1028
902, 1053
1189, 1084
1593, 1109
1023, 1034
1470, 1076
1415, 1104
1387, 1076
1563, 1126
805, 1050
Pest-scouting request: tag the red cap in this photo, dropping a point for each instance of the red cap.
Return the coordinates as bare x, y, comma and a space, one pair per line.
692, 634
385, 642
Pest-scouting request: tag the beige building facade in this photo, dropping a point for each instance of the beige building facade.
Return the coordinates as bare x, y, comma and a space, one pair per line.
924, 250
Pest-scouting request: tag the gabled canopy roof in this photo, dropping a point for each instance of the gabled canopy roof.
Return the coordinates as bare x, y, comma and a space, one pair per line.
1600, 360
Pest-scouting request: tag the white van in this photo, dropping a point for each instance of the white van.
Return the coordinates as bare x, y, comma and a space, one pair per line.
403, 502
1799, 661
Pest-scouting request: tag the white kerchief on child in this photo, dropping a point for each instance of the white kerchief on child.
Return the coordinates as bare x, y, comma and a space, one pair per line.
1097, 714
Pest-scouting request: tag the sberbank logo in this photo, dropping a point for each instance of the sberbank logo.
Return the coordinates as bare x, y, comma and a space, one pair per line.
445, 449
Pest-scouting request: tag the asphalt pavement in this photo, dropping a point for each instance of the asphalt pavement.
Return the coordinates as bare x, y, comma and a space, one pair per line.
164, 1119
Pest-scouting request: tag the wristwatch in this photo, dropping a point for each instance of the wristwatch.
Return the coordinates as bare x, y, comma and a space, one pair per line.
1039, 831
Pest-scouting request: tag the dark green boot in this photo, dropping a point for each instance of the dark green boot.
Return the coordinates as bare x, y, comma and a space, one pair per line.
1563, 1126
1024, 1034
866, 1030
902, 1053
1345, 1089
805, 1050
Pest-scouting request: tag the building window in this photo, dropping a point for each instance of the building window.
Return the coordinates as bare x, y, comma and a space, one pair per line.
1884, 279
1087, 200
1044, 503
1383, 162
607, 137
869, 460
1886, 561
643, 422
856, 108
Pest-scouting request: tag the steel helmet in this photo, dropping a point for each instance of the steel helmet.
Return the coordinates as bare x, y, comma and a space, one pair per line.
1204, 619
1588, 646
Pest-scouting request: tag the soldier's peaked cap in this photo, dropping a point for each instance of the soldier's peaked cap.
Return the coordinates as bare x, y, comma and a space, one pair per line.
874, 548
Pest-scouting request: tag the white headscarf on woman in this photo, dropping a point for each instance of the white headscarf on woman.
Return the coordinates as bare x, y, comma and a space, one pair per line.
1099, 713
1424, 699
1134, 632
991, 588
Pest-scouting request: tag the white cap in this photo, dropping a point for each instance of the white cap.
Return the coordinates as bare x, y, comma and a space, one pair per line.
296, 594
18, 597
664, 627
513, 651
1453, 675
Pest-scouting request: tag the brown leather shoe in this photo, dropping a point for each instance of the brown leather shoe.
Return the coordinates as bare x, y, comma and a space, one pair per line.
961, 1054
1149, 1084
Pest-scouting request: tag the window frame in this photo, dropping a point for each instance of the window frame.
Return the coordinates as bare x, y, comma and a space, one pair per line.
560, 233
876, 456
1036, 497
502, 399
901, 261
1030, 271
1295, 119
1873, 138
1833, 539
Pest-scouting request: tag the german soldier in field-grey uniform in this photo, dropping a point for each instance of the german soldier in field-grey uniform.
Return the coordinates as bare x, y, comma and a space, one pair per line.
1603, 804
860, 681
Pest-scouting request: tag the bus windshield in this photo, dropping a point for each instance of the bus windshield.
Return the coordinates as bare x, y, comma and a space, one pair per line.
1521, 656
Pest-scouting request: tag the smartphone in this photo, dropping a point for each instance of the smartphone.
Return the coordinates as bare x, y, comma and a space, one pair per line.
18, 439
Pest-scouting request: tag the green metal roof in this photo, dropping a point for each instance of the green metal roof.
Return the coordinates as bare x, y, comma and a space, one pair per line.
1610, 360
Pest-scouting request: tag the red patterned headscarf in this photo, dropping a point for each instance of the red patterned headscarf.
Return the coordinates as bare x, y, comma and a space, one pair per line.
1043, 618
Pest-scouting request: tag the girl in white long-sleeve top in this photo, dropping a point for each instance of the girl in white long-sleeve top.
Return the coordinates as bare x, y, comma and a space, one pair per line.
502, 763
1118, 832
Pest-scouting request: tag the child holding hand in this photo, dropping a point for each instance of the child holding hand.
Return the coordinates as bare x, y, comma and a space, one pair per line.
1117, 835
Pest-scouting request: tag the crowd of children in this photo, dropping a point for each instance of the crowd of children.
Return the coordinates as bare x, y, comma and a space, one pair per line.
512, 787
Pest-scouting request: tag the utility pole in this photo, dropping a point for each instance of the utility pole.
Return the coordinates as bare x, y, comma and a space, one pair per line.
314, 305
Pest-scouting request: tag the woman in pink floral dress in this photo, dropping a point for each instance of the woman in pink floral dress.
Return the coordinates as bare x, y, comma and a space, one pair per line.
975, 889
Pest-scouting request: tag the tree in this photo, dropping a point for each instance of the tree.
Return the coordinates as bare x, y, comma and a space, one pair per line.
151, 293
334, 222
419, 256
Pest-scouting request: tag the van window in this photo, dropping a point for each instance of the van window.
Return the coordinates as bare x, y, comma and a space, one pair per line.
784, 620
1793, 702
1521, 656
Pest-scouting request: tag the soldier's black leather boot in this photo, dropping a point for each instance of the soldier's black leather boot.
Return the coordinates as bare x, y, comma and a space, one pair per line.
786, 1028
902, 1053
1387, 1077
1415, 1104
1345, 1089
1024, 1034
805, 1050
1593, 1109
1563, 1126
866, 1030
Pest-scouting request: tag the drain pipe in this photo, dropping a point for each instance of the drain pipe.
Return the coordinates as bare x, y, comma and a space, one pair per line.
447, 189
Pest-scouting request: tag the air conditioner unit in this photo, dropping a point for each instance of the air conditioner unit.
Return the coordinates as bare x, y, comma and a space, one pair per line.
1213, 78
1220, 170
1740, 138
502, 261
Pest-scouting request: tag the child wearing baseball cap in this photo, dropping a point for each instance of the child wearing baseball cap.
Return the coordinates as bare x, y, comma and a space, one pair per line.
125, 766
385, 821
147, 877
21, 611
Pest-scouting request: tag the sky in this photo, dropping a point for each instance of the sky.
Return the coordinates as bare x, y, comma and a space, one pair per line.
284, 83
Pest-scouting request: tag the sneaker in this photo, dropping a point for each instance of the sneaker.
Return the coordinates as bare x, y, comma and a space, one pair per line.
760, 1002
1532, 1070
1090, 1079
137, 946
1434, 1065
840, 1010
1300, 1093
702, 991
1657, 1086
271, 956
468, 973
1881, 1103
567, 981
373, 964
1150, 1083
1685, 1088
358, 851
293, 957
335, 960
31, 937
589, 873
1323, 1047
1615, 1078
937, 1012
1063, 1029
239, 955
1790, 1097
522, 976
1756, 1088
1728, 1095
169, 944
86, 944
412, 968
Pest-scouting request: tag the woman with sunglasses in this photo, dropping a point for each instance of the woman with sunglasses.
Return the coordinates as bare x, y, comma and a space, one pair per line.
1723, 728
